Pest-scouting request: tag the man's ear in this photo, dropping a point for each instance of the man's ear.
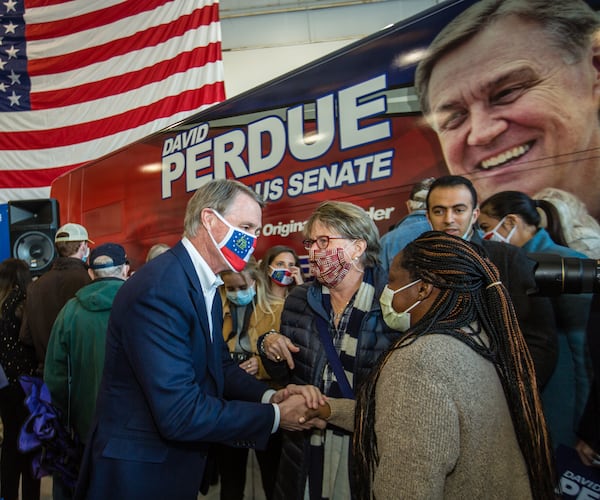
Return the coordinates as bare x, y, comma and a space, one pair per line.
476, 213
126, 269
91, 274
207, 217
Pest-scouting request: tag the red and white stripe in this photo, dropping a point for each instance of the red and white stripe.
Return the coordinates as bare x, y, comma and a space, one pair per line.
104, 74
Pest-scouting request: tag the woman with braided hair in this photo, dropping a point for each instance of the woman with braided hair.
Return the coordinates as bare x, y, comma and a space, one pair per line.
451, 410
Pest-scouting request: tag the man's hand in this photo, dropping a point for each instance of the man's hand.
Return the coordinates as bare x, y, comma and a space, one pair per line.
292, 415
279, 348
312, 395
587, 454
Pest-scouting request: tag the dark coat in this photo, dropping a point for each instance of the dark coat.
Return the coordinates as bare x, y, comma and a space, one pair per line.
46, 297
16, 358
167, 390
535, 313
589, 426
298, 323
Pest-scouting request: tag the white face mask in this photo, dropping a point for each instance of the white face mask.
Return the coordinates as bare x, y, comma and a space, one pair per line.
399, 321
494, 235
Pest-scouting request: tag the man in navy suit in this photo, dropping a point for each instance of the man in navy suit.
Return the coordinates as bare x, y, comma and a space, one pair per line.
169, 386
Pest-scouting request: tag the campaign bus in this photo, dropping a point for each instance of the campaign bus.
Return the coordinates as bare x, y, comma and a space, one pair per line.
345, 127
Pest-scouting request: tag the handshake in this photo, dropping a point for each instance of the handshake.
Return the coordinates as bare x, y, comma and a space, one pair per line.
301, 407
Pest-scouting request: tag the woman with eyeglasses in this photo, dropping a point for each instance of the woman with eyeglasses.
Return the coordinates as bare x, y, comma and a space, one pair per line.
513, 217
332, 333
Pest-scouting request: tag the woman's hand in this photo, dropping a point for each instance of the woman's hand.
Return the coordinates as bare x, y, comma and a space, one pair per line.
323, 412
279, 348
250, 366
296, 273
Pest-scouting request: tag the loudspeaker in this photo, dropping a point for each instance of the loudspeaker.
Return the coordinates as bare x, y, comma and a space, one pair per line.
33, 225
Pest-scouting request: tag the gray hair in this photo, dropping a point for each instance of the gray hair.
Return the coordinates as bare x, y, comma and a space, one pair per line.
350, 221
107, 272
218, 195
418, 194
569, 24
156, 250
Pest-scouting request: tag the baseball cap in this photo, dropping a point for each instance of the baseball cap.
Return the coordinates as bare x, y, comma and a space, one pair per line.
72, 232
111, 250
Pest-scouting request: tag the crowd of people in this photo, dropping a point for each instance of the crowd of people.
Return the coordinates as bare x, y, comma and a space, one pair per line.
426, 363
348, 381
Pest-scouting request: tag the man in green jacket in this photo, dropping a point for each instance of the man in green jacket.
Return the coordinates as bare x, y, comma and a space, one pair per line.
78, 338
79, 334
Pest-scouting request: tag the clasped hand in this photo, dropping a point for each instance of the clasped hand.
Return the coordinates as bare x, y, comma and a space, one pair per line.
297, 405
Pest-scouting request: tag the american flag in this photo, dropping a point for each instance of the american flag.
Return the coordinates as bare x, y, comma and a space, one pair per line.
82, 78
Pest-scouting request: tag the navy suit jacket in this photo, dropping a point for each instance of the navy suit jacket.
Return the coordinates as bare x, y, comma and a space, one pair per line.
167, 390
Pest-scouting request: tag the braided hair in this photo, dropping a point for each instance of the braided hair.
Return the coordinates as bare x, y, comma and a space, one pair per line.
470, 293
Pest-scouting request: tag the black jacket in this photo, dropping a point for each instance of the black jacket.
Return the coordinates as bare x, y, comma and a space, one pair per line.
589, 426
535, 314
298, 323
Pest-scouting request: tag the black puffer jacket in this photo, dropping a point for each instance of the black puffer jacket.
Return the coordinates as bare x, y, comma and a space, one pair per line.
298, 323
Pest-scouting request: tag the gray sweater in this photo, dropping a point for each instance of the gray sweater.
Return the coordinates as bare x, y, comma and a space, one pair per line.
443, 427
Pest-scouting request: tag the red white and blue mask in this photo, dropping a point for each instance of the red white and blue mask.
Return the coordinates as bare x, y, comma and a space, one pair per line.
281, 276
236, 246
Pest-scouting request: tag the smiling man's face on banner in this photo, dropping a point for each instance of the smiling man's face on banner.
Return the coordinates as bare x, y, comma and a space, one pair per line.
513, 111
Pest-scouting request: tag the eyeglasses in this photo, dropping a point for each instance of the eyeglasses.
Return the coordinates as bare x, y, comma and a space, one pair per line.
322, 242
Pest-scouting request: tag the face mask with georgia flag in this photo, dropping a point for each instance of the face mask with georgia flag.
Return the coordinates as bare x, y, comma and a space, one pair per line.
236, 247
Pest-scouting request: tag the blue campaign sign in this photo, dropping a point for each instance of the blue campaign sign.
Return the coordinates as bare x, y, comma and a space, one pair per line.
4, 233
576, 480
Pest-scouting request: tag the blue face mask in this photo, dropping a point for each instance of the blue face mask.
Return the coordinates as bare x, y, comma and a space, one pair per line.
241, 297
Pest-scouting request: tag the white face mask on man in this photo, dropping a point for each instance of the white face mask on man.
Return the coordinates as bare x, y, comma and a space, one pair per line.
399, 321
